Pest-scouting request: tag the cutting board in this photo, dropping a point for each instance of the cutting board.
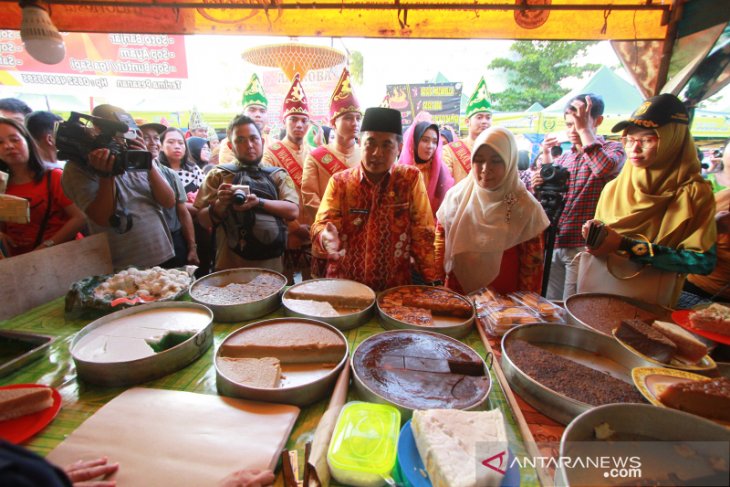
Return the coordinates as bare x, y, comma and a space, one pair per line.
162, 437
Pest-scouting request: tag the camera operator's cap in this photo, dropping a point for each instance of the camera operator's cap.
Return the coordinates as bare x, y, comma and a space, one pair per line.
656, 112
254, 94
295, 101
479, 101
116, 114
379, 119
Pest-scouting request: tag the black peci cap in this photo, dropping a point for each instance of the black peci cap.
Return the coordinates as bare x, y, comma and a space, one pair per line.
378, 119
656, 112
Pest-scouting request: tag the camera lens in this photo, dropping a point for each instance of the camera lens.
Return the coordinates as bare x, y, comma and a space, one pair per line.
239, 197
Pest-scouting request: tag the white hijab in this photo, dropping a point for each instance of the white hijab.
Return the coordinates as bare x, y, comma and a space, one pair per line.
476, 219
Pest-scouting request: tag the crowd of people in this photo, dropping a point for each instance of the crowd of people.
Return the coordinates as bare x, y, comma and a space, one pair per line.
363, 200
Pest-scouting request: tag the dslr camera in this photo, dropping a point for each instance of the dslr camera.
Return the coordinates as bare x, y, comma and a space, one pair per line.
74, 141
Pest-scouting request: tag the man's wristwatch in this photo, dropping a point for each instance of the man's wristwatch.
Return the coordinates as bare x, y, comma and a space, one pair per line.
260, 205
48, 243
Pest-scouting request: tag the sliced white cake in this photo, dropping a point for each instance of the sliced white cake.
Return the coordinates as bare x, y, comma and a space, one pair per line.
453, 444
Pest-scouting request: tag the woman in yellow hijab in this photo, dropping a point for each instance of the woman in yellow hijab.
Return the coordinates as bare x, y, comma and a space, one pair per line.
659, 210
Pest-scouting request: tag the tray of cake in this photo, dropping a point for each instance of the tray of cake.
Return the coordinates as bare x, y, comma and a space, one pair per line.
664, 344
426, 308
142, 343
711, 322
564, 370
604, 312
340, 302
685, 391
661, 446
284, 360
416, 369
497, 313
98, 295
240, 294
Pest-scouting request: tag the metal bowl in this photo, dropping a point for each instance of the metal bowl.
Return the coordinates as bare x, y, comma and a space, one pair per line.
453, 327
229, 313
378, 379
664, 441
602, 352
341, 322
130, 372
661, 313
298, 395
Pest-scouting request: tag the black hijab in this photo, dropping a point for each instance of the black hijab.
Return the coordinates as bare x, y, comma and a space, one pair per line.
418, 132
195, 145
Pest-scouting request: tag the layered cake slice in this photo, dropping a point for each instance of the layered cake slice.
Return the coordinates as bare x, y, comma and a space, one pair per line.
645, 339
296, 342
339, 293
24, 400
715, 318
255, 372
709, 399
688, 346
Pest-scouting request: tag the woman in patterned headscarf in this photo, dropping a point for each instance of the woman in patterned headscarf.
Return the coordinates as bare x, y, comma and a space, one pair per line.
490, 227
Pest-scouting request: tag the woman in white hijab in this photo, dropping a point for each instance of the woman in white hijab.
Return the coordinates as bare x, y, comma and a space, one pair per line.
490, 227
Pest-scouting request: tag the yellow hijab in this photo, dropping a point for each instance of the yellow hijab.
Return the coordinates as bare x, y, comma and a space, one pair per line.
669, 203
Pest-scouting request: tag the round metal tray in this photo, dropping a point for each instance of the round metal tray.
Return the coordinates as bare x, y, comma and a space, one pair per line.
229, 313
453, 327
590, 344
664, 440
408, 391
664, 314
298, 395
130, 372
342, 322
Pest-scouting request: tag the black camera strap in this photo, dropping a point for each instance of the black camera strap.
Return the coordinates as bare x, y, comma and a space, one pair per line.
120, 214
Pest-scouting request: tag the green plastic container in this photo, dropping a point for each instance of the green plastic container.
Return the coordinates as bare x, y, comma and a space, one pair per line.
364, 444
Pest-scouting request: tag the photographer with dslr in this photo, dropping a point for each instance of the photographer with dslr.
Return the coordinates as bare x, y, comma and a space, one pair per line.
591, 163
250, 229
124, 201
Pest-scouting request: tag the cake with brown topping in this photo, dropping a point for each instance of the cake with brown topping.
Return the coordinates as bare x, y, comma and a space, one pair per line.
709, 399
647, 340
570, 378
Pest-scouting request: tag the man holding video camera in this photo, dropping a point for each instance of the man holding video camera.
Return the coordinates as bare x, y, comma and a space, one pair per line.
124, 201
592, 162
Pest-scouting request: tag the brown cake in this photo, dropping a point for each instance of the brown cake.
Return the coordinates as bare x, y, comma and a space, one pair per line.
418, 304
570, 378
645, 339
297, 342
689, 347
604, 313
710, 399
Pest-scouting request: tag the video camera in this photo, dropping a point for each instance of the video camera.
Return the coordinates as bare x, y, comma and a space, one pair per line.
551, 193
74, 141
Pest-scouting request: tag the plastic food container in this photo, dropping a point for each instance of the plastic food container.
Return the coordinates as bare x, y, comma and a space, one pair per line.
364, 444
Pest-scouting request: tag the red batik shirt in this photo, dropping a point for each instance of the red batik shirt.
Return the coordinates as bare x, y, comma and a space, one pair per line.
590, 170
381, 226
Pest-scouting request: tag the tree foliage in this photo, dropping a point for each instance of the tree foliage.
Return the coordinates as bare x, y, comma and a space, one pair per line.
356, 67
535, 73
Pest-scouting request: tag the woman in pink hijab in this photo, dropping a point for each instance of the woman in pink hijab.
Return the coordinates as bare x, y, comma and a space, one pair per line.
422, 148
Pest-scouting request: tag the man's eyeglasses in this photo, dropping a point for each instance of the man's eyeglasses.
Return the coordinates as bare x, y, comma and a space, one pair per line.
646, 141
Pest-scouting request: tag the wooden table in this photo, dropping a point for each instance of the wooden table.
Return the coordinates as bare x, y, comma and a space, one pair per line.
81, 400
